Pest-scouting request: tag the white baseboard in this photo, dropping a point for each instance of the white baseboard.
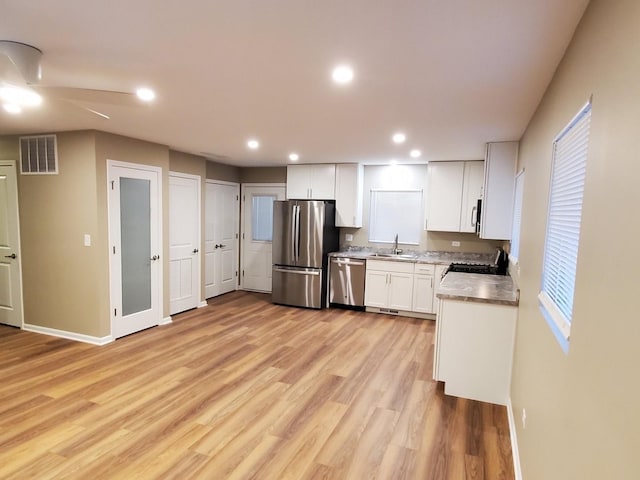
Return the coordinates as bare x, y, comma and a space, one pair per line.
79, 337
202, 304
165, 321
514, 441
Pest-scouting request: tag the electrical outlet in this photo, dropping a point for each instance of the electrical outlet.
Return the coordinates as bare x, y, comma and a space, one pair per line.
348, 237
87, 240
524, 417
455, 244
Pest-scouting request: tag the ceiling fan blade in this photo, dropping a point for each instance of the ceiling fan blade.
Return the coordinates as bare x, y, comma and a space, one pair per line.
84, 107
88, 95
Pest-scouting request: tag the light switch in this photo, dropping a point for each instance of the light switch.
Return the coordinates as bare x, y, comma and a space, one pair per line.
87, 240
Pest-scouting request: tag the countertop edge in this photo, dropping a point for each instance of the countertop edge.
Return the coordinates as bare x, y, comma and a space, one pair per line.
465, 298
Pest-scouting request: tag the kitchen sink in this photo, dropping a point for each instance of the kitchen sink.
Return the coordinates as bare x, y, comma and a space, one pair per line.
394, 255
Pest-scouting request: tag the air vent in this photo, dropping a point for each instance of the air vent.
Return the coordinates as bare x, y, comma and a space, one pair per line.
38, 155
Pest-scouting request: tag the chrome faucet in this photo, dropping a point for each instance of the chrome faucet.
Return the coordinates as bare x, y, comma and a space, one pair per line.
396, 250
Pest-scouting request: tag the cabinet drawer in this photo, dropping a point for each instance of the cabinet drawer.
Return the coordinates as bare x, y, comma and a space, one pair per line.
424, 268
390, 266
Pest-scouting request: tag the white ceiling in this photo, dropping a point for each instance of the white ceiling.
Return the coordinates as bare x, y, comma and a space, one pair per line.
451, 74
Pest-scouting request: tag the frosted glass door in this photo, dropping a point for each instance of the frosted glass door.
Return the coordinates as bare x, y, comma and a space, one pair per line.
135, 235
135, 225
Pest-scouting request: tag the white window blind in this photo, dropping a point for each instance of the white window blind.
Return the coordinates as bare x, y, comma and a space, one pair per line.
517, 218
395, 212
563, 222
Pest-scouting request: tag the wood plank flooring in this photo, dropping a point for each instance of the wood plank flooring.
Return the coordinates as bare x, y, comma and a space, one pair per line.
243, 389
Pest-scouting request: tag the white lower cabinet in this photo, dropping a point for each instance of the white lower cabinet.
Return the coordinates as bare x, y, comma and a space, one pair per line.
423, 286
389, 285
474, 349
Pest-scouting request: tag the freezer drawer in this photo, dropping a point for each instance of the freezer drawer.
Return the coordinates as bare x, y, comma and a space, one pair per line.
299, 287
347, 281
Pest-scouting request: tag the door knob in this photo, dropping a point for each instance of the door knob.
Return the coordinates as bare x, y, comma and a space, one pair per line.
155, 257
195, 250
13, 255
222, 246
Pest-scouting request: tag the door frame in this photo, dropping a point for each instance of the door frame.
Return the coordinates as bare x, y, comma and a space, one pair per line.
199, 302
238, 187
115, 289
243, 186
13, 164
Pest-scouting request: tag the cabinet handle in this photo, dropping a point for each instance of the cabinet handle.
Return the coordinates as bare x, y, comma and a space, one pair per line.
473, 216
431, 282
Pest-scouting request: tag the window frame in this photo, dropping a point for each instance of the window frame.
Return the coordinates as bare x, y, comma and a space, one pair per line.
557, 289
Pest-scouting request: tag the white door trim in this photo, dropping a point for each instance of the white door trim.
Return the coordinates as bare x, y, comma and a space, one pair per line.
197, 178
13, 163
114, 291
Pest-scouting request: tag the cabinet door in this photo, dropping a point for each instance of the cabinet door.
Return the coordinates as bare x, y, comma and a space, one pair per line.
349, 177
322, 182
400, 291
499, 185
472, 191
376, 289
445, 196
297, 182
422, 293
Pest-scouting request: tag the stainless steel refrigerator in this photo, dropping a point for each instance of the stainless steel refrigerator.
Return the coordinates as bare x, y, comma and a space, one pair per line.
304, 232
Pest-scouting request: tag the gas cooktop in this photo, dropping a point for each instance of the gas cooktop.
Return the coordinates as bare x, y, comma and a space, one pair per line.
485, 268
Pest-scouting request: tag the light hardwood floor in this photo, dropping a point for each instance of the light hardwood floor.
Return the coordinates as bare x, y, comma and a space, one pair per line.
243, 389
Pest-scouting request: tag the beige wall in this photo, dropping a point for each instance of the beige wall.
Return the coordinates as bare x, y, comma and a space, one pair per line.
264, 175
220, 171
583, 415
63, 281
411, 177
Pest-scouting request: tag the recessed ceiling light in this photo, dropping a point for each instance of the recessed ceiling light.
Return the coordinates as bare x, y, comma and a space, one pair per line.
342, 74
253, 144
145, 94
19, 96
399, 137
415, 153
294, 157
12, 108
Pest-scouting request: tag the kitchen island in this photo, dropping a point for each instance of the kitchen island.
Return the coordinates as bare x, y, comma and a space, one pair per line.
475, 331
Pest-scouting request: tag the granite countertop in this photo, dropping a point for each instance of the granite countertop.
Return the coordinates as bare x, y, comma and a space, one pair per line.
438, 258
474, 287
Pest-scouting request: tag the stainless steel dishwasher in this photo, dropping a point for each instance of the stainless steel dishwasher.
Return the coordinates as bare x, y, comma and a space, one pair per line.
347, 281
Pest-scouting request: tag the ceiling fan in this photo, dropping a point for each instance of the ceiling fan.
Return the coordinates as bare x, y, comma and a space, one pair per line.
20, 87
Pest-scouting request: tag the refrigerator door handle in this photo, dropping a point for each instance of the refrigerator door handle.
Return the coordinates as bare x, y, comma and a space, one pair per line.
293, 232
296, 247
297, 272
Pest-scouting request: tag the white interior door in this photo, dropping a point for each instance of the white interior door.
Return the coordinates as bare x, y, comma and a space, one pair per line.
222, 206
10, 266
135, 236
257, 231
184, 242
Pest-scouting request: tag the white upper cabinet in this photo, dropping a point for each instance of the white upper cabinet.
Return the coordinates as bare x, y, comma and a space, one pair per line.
349, 181
471, 192
499, 184
445, 196
311, 182
454, 189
